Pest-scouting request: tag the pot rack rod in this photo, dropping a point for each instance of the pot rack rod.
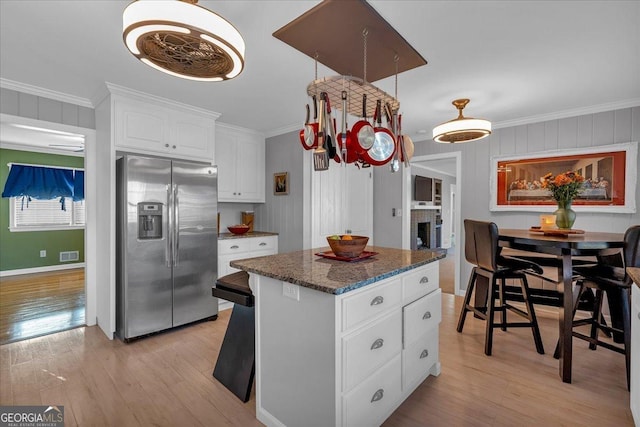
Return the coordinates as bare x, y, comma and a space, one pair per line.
355, 87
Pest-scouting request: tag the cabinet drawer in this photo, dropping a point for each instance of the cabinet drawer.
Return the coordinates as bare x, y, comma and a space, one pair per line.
420, 316
267, 243
370, 348
368, 304
232, 246
419, 357
372, 402
421, 282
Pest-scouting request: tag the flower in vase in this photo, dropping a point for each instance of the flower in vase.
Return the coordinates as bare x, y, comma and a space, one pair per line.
564, 187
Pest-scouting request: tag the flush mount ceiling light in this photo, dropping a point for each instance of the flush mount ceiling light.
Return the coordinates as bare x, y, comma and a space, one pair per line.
461, 129
180, 38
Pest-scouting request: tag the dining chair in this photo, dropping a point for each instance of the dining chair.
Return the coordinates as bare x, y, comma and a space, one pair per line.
609, 276
482, 250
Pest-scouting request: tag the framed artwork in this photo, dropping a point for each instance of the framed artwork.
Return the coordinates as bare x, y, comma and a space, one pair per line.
610, 178
281, 183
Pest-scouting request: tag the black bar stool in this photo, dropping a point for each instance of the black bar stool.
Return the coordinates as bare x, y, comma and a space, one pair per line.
236, 364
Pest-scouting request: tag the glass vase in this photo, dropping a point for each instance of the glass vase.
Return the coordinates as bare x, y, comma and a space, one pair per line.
565, 216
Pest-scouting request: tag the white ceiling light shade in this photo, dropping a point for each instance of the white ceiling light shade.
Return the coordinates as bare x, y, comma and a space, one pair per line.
183, 39
461, 129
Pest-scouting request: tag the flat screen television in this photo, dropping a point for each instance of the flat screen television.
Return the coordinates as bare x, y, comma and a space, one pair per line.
422, 189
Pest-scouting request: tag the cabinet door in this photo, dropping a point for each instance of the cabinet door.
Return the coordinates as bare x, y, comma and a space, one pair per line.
141, 127
226, 161
250, 156
192, 136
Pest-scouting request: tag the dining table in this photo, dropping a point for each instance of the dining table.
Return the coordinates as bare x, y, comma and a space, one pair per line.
564, 247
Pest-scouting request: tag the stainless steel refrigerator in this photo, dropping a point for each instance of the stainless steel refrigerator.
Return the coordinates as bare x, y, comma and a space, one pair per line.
166, 243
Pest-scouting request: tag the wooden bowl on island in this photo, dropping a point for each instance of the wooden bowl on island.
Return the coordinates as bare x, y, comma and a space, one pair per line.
238, 228
347, 246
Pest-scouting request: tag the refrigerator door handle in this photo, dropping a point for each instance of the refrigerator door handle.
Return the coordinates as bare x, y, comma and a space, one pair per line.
176, 226
168, 251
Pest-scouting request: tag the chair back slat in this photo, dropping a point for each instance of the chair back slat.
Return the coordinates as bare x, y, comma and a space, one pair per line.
481, 244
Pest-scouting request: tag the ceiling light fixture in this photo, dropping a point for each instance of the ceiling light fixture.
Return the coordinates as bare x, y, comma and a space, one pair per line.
182, 39
461, 129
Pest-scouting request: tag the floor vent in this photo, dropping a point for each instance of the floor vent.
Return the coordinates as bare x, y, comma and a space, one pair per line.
69, 256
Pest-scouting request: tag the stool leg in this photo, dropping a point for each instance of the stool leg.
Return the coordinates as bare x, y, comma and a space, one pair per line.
503, 313
596, 319
532, 315
467, 300
488, 343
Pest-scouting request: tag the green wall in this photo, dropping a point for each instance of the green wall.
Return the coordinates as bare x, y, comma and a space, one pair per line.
22, 249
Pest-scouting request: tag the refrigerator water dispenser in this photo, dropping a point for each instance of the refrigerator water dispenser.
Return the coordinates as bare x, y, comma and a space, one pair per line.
149, 220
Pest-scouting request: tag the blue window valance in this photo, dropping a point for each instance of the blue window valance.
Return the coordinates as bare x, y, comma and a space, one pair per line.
44, 183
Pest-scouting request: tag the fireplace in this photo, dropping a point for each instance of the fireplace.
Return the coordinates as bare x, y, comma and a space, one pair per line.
424, 233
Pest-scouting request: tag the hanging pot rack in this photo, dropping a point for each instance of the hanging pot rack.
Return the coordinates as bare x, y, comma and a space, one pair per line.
355, 87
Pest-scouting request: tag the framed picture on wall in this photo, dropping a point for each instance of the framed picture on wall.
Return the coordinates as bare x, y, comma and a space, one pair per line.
281, 183
609, 171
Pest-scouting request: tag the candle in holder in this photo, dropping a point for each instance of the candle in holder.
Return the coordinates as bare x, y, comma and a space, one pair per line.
547, 221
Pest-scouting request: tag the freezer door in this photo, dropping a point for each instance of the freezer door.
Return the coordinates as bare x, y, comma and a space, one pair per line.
196, 247
147, 270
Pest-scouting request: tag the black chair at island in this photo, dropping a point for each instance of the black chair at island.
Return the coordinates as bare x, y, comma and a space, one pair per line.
236, 365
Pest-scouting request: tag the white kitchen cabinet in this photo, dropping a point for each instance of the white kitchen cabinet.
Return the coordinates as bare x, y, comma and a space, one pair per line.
357, 356
241, 248
240, 156
342, 203
147, 125
634, 397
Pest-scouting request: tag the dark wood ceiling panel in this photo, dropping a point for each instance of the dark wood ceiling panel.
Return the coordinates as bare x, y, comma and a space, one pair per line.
333, 30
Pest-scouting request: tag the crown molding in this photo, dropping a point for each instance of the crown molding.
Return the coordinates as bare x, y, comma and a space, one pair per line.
557, 115
282, 130
45, 93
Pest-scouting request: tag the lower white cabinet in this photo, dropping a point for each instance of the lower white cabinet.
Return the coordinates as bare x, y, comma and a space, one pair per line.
635, 354
241, 248
344, 360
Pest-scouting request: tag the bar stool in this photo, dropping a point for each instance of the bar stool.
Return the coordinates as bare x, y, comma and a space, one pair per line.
482, 250
610, 276
236, 365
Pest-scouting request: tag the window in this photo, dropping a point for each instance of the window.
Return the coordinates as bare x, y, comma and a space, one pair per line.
44, 215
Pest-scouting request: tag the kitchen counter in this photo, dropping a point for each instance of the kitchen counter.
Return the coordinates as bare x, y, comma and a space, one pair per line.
342, 343
306, 269
634, 273
227, 236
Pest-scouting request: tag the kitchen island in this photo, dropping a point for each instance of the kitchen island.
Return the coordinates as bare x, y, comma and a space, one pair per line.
342, 343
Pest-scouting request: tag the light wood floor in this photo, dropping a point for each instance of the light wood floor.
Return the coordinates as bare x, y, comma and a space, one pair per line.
37, 304
165, 380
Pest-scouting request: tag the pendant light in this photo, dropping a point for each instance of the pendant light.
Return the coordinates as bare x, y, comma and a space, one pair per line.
461, 129
182, 39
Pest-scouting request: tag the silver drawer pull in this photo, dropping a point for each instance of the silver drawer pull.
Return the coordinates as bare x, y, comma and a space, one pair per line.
378, 395
424, 279
424, 354
234, 247
377, 344
263, 244
427, 315
377, 300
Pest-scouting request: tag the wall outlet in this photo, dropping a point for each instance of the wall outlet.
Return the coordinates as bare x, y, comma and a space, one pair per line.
290, 290
43, 253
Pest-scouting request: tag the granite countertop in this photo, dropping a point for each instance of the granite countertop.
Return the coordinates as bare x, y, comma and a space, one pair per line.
226, 236
306, 269
634, 273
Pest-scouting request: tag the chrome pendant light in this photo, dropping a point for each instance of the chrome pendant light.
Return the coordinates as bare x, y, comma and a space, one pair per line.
461, 129
180, 38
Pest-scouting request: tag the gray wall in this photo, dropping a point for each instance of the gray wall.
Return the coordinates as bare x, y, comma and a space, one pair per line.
36, 107
387, 228
283, 214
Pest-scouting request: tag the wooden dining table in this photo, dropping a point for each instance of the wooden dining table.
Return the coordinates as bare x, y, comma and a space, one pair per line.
564, 248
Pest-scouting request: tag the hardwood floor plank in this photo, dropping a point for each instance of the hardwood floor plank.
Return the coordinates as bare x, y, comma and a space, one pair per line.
57, 396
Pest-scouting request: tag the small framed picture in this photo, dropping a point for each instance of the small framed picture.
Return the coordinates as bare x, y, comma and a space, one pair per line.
281, 183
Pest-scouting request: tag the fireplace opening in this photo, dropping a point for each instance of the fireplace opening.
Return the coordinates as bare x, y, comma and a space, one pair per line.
424, 233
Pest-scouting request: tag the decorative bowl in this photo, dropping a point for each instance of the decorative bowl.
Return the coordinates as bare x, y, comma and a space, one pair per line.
238, 228
348, 248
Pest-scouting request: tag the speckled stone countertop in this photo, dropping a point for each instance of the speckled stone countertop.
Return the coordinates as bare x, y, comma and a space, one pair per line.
227, 236
634, 273
306, 269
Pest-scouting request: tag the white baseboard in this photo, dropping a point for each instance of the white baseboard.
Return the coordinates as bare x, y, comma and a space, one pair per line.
44, 269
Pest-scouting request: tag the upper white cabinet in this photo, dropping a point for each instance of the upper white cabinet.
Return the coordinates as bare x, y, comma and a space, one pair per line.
240, 157
148, 125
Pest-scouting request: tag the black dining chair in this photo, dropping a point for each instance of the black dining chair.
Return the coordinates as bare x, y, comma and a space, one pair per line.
609, 276
481, 249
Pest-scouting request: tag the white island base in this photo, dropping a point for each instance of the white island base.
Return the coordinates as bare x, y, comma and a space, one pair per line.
344, 360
